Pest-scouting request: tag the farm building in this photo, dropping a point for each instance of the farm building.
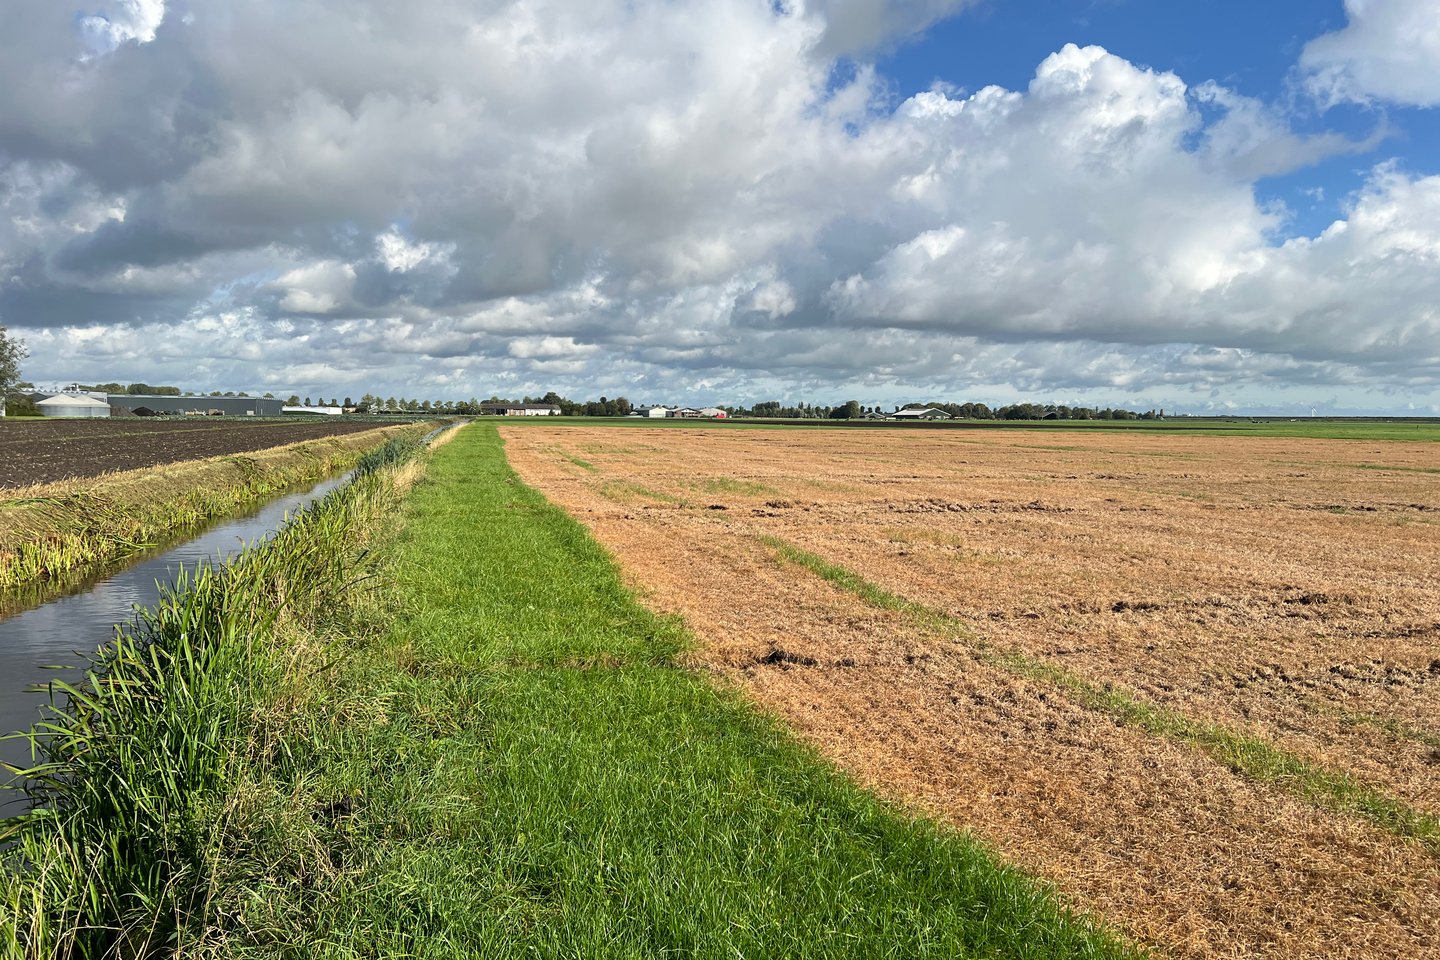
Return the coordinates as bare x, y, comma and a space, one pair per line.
197, 406
519, 410
656, 411
714, 413
73, 405
924, 413
313, 411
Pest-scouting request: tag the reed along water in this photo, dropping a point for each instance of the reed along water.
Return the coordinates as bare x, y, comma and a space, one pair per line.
55, 640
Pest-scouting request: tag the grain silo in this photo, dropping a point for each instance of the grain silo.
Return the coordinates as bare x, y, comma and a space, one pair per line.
72, 405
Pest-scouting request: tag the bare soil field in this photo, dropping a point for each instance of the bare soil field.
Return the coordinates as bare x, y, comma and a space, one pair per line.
1286, 589
43, 451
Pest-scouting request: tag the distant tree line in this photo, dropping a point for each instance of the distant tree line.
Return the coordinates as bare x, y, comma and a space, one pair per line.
854, 410
156, 390
620, 406
369, 403
849, 410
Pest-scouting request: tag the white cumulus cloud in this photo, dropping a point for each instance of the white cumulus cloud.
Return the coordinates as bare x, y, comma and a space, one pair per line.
122, 22
1389, 50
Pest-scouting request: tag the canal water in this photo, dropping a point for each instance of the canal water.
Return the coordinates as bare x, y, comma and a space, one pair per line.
54, 640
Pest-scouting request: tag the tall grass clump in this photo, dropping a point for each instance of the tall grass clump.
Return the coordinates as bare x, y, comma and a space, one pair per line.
130, 791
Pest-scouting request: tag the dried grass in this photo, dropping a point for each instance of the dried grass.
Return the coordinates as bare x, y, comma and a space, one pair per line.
1210, 575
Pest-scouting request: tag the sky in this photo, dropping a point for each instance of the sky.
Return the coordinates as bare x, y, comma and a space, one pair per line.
1210, 208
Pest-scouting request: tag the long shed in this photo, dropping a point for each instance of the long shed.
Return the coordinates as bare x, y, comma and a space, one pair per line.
173, 406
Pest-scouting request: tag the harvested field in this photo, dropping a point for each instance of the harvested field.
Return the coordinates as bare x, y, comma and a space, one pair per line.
43, 451
1283, 591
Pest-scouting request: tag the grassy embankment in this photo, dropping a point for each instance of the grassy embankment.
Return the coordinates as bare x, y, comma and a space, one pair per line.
67, 529
146, 784
498, 756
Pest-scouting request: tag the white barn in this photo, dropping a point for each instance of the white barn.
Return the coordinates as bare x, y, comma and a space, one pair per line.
926, 413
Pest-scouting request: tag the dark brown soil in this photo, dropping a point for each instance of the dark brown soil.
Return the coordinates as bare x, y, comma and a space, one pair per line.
43, 451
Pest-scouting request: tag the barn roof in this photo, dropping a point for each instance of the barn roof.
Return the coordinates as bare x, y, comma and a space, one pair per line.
68, 400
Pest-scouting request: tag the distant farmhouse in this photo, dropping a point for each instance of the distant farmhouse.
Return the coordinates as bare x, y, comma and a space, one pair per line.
924, 413
519, 410
687, 413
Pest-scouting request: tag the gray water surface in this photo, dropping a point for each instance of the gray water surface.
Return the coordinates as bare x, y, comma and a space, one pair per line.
66, 631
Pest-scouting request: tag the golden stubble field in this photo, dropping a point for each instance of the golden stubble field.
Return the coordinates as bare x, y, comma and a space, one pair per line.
1288, 589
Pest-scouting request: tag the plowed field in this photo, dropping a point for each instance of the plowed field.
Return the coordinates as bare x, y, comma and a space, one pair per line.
42, 451
1286, 591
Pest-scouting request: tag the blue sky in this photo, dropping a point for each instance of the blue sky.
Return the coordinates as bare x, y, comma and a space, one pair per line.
1210, 207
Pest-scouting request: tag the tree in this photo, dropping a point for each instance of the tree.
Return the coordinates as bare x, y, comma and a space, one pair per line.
12, 351
294, 400
850, 410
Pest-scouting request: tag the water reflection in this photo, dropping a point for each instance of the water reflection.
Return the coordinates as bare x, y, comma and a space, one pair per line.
64, 632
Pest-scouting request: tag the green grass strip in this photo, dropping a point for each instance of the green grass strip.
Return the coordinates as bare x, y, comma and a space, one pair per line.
525, 770
1243, 753
871, 593
1391, 727
627, 491
579, 461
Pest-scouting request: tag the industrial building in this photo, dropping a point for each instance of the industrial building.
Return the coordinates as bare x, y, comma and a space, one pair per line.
195, 406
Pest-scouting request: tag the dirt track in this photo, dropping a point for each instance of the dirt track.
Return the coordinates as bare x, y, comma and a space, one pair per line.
1287, 588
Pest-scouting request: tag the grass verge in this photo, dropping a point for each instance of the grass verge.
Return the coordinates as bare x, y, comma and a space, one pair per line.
133, 839
1245, 754
487, 751
501, 758
69, 528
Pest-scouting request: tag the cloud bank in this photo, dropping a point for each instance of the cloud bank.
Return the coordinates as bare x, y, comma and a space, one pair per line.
710, 199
